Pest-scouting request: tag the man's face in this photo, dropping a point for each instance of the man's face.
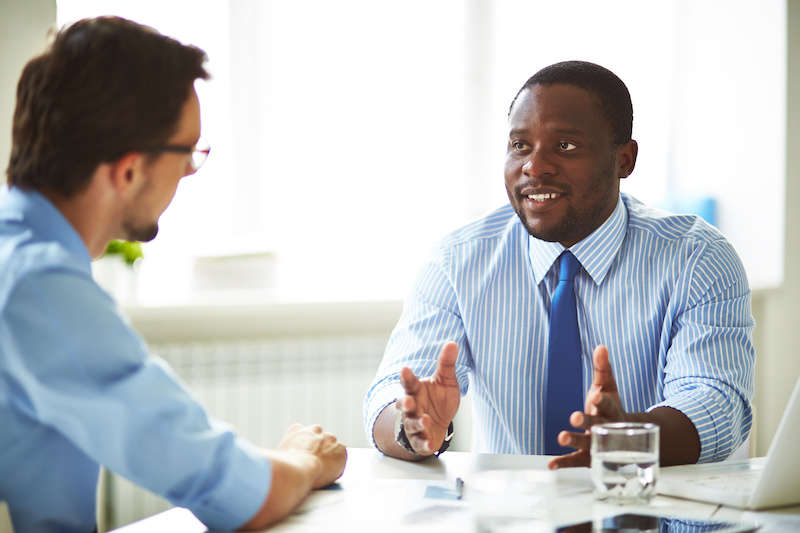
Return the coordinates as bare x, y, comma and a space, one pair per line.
562, 170
162, 177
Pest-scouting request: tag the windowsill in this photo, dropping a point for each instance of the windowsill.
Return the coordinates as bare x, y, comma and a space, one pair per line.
258, 314
247, 318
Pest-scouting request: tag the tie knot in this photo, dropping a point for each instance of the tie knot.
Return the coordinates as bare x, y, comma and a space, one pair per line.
569, 267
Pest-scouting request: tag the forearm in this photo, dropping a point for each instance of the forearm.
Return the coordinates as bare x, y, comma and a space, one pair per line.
680, 442
293, 476
383, 433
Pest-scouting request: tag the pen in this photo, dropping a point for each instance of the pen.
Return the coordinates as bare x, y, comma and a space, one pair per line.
459, 487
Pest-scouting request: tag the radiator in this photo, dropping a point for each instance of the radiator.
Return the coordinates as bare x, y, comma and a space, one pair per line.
261, 387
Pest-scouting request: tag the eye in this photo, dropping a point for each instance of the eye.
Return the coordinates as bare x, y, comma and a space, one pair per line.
518, 145
566, 146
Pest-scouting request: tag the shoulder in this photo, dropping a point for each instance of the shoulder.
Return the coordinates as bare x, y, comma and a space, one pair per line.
495, 226
470, 248
24, 256
669, 227
683, 238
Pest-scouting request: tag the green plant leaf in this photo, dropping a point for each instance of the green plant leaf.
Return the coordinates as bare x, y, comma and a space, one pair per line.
129, 251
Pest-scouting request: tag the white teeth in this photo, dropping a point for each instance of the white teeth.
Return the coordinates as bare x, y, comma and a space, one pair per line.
542, 197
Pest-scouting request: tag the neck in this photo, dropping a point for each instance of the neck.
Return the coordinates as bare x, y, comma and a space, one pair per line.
91, 213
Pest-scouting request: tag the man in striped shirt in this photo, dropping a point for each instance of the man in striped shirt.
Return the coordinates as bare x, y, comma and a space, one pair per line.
663, 301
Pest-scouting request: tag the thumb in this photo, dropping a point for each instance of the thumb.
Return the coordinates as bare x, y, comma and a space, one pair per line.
603, 374
446, 364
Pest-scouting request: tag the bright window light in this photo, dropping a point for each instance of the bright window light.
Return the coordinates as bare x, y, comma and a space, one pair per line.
348, 137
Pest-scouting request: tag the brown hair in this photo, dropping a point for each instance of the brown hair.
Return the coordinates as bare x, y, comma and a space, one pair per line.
105, 86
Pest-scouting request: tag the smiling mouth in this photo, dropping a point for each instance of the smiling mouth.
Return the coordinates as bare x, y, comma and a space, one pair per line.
544, 196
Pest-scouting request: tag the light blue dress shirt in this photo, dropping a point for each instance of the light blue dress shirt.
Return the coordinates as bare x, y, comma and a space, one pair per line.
79, 390
667, 294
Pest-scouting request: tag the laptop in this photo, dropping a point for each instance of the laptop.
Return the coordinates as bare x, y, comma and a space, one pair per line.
756, 483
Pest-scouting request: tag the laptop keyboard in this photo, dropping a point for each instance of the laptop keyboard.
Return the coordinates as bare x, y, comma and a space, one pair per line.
740, 482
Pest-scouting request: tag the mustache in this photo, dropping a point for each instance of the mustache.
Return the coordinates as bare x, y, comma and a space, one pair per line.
526, 188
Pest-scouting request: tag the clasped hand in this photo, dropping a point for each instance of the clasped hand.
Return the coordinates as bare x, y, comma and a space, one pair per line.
320, 445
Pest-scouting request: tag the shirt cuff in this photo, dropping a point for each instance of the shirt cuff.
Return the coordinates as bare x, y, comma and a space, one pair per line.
241, 492
710, 419
378, 398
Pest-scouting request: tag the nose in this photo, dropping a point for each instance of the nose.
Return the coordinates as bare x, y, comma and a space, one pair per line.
538, 164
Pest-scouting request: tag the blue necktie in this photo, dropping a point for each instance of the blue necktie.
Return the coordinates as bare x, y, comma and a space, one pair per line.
564, 393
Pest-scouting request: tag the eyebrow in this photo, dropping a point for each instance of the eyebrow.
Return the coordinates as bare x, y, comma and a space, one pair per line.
561, 131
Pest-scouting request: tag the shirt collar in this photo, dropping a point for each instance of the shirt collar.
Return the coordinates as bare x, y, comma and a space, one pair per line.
596, 252
46, 221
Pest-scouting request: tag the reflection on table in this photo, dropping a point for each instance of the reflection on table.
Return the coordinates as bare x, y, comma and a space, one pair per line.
378, 493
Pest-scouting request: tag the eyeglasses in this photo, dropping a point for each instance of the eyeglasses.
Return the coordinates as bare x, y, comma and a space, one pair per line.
199, 152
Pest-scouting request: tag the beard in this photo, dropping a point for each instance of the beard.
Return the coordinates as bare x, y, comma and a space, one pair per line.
144, 233
135, 224
573, 226
579, 220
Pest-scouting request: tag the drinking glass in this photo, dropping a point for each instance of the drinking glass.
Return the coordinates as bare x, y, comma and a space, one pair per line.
625, 462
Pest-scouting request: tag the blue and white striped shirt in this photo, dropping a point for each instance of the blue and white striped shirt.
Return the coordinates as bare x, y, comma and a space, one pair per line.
667, 294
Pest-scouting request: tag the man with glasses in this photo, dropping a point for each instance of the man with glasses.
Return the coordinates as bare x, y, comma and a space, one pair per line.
106, 125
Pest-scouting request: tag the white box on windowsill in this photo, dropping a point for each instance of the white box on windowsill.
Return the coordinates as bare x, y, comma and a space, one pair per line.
236, 271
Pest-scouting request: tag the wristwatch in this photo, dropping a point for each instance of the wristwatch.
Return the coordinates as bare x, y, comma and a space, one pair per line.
403, 442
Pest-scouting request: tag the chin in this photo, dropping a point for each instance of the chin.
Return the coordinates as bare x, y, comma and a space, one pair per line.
142, 234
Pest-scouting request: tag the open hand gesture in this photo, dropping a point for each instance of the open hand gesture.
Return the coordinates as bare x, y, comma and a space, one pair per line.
430, 404
603, 404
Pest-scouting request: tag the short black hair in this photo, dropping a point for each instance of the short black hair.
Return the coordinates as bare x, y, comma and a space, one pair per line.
610, 91
104, 87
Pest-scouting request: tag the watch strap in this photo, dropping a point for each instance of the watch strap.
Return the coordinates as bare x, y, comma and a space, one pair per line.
402, 439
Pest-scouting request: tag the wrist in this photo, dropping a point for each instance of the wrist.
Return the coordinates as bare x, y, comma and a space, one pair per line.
403, 442
306, 462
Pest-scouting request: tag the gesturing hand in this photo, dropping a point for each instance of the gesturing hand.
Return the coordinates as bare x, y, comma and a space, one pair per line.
603, 404
430, 404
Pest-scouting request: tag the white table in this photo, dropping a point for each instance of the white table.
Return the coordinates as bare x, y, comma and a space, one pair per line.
378, 493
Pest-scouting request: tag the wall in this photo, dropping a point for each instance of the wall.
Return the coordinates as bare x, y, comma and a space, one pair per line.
24, 23
778, 351
23, 27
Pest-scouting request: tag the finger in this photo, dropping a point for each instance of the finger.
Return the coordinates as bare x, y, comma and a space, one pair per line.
418, 433
590, 420
414, 426
603, 375
581, 441
577, 458
578, 420
604, 408
446, 364
421, 443
407, 406
409, 381
592, 397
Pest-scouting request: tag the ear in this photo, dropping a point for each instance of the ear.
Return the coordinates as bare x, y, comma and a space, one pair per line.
126, 171
626, 158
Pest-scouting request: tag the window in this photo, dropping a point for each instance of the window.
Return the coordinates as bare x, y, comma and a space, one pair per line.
348, 137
